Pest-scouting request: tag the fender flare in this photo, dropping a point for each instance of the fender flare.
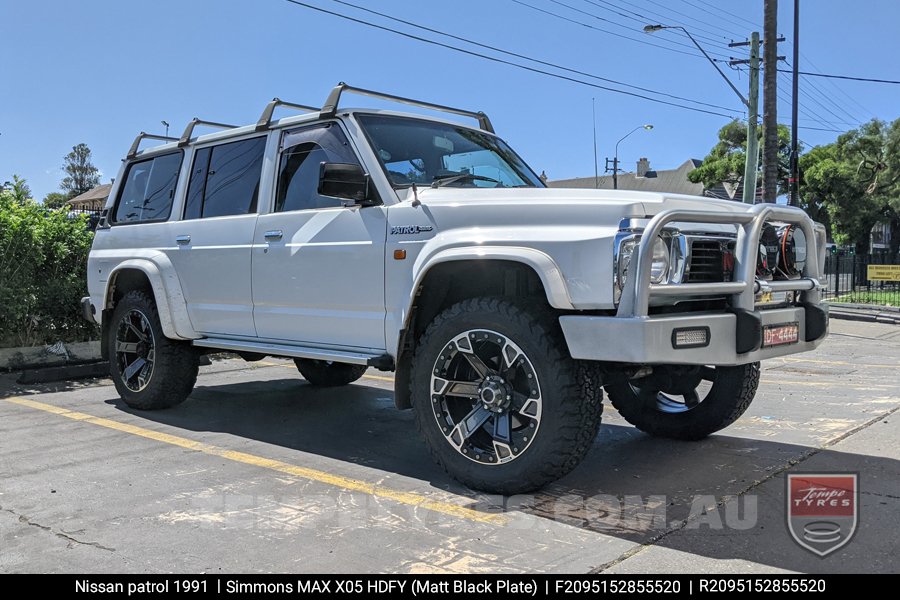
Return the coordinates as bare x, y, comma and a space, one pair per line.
542, 264
166, 292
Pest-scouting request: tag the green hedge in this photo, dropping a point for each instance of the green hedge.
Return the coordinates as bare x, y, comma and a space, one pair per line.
43, 258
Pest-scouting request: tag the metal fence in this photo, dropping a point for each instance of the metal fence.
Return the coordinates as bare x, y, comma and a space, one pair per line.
851, 280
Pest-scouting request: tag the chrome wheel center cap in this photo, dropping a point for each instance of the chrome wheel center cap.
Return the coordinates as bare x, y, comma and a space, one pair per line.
494, 394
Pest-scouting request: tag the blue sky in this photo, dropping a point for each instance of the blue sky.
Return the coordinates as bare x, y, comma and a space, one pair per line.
100, 71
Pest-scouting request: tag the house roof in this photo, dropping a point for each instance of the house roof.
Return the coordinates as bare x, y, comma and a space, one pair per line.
673, 181
98, 194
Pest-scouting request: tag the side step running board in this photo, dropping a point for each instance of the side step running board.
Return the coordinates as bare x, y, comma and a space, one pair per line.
381, 361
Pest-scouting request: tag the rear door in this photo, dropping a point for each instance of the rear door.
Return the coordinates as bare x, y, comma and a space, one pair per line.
211, 245
318, 265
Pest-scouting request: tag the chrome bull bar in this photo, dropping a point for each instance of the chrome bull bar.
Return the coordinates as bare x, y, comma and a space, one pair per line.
636, 294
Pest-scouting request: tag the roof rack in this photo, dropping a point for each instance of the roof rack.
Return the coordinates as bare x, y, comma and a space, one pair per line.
185, 138
331, 104
265, 119
146, 136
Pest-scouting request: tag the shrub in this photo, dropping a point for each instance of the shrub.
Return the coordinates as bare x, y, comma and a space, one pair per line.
43, 256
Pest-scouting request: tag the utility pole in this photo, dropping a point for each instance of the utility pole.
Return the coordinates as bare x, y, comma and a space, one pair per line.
596, 171
615, 170
793, 199
751, 165
770, 101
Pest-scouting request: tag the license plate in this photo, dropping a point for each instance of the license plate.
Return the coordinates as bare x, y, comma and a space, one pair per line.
779, 335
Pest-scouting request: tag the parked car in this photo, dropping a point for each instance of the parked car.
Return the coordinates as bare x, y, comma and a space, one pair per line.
355, 238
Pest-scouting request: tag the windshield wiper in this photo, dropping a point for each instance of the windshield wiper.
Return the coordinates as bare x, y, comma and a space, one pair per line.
441, 180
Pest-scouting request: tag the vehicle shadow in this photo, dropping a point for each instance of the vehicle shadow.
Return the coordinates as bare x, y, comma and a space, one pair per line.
630, 486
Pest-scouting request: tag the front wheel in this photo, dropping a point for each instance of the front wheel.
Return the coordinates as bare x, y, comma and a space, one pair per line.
501, 405
149, 370
686, 402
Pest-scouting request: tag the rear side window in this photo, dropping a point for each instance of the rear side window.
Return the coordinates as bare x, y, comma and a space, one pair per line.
149, 189
225, 179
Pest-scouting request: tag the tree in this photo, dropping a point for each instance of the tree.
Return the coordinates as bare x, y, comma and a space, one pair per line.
18, 190
725, 162
55, 200
81, 174
857, 180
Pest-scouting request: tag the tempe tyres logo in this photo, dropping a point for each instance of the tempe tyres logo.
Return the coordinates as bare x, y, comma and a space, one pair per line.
822, 509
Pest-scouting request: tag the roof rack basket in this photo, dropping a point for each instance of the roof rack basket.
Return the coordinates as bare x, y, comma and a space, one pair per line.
132, 152
265, 119
331, 104
185, 138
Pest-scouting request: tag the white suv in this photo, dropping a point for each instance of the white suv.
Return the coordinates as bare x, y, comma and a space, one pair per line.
348, 239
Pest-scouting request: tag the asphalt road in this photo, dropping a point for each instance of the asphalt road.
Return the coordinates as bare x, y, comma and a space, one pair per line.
260, 472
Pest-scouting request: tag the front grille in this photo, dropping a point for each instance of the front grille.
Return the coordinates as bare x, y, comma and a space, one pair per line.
710, 261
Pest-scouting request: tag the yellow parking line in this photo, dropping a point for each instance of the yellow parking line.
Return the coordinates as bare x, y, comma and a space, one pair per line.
379, 378
346, 483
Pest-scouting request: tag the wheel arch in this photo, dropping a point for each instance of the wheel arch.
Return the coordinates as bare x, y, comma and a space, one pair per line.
462, 273
163, 285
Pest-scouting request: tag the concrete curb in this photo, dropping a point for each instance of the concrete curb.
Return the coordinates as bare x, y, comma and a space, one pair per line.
17, 359
863, 312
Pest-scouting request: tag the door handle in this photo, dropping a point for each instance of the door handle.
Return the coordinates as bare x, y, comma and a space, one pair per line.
274, 234
183, 239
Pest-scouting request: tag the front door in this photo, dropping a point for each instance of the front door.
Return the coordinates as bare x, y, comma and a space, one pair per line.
318, 264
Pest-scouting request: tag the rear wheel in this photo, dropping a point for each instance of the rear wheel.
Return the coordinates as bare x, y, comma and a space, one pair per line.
686, 402
501, 405
326, 373
149, 370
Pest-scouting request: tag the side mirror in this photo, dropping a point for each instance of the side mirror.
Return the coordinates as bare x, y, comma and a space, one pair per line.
346, 181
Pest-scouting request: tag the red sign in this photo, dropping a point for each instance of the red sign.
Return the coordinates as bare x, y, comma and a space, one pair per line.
822, 509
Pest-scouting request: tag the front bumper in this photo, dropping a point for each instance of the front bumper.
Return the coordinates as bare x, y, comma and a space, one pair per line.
648, 340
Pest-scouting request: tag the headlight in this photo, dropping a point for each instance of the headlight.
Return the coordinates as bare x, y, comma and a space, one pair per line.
659, 267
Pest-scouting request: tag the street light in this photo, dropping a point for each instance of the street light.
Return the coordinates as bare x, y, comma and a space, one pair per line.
752, 162
166, 124
654, 28
648, 127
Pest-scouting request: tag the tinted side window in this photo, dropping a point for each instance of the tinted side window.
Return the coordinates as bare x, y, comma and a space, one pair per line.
304, 151
149, 189
225, 179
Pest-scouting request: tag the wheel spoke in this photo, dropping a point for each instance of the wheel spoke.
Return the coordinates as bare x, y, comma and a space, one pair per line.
469, 425
708, 373
133, 368
502, 427
141, 335
476, 363
127, 347
691, 399
462, 389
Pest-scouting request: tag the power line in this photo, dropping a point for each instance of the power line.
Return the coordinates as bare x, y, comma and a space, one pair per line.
613, 33
644, 19
502, 61
731, 14
524, 57
678, 12
828, 97
847, 77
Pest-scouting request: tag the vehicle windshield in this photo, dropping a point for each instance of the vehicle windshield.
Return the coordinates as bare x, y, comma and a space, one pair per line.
416, 151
